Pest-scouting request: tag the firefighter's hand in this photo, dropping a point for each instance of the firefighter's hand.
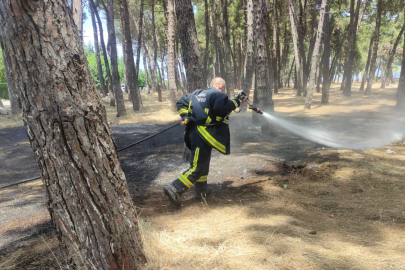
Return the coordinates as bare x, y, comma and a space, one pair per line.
182, 123
243, 100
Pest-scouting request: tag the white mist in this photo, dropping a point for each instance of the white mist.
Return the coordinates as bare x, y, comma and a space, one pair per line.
328, 138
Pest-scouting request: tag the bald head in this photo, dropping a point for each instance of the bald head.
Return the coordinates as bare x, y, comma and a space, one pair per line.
218, 83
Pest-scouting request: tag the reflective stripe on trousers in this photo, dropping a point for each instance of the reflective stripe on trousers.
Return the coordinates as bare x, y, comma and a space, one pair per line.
199, 161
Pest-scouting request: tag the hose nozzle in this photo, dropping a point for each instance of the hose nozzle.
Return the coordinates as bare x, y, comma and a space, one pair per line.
258, 110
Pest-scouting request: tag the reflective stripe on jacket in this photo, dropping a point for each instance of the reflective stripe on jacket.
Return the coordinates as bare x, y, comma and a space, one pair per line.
209, 106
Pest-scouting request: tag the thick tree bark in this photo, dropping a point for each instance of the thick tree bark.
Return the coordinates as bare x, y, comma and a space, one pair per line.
114, 60
171, 24
66, 123
298, 66
354, 18
315, 56
325, 60
264, 95
189, 44
373, 64
105, 56
77, 11
97, 50
130, 70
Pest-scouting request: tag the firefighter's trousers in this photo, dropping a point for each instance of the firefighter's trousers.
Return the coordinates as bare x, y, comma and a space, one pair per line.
199, 164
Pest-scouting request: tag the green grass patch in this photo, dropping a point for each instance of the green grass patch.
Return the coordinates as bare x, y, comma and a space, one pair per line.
3, 91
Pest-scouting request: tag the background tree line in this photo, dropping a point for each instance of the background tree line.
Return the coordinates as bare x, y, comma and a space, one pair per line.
360, 39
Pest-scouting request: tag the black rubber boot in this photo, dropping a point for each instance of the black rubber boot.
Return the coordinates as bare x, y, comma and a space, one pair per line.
174, 194
201, 190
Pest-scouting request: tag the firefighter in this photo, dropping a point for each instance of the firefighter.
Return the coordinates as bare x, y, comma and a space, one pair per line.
205, 115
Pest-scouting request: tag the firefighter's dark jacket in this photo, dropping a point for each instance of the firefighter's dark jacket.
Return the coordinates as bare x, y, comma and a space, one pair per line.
207, 111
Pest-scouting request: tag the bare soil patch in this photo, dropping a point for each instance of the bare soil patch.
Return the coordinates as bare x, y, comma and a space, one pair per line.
277, 203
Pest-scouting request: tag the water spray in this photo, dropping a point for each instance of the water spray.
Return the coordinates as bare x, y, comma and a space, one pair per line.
329, 138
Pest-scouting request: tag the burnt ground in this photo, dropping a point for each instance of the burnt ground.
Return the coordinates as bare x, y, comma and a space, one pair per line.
24, 220
148, 166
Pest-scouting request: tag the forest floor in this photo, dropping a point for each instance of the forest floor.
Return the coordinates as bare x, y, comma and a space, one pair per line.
277, 203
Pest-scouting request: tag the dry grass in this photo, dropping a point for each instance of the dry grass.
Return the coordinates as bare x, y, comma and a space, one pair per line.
286, 223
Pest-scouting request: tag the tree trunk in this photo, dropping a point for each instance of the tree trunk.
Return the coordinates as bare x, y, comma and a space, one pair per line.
145, 65
162, 71
336, 59
388, 69
207, 40
217, 25
365, 75
171, 76
354, 18
189, 44
138, 52
289, 74
77, 11
105, 56
366, 2
276, 57
325, 60
154, 64
114, 60
401, 84
183, 78
315, 56
249, 65
66, 123
12, 82
301, 37
298, 66
373, 64
264, 95
319, 71
130, 70
97, 50
230, 85
240, 65
153, 73
216, 43
311, 46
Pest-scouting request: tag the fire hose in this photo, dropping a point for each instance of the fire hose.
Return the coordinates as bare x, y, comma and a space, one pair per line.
241, 95
121, 149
